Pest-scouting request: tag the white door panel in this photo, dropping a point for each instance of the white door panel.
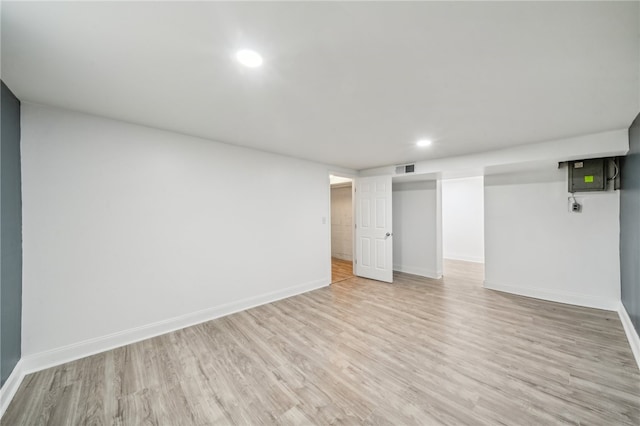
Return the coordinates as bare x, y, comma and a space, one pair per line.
374, 246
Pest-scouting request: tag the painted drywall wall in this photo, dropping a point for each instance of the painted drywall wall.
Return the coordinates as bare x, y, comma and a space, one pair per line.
11, 235
522, 157
417, 228
463, 219
630, 227
342, 222
127, 226
535, 247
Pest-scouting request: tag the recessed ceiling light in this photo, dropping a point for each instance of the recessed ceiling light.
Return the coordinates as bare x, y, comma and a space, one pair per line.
249, 58
423, 142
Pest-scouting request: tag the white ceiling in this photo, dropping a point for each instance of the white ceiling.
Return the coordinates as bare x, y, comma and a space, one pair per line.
349, 84
337, 180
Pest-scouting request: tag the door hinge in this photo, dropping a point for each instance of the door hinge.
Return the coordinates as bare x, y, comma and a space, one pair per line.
356, 261
355, 225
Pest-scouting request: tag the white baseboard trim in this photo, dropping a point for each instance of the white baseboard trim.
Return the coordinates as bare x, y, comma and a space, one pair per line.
342, 257
413, 270
11, 386
630, 331
473, 259
40, 361
560, 297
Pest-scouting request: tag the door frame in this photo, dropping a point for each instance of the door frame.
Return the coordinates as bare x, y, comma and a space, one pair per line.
353, 178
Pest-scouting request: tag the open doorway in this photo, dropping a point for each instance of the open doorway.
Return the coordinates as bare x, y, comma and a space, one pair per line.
463, 226
341, 228
417, 226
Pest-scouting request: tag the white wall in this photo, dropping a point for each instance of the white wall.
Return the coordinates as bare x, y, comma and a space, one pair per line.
536, 247
342, 222
417, 230
530, 156
127, 226
463, 219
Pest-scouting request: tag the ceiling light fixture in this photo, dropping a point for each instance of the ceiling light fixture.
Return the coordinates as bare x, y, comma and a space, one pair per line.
423, 142
249, 58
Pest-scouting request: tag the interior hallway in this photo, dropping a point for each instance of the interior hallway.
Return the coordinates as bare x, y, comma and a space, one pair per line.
418, 351
340, 270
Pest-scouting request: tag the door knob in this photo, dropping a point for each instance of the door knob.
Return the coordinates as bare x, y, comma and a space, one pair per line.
389, 234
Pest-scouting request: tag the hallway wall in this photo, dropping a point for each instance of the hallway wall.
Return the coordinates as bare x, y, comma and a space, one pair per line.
417, 228
342, 222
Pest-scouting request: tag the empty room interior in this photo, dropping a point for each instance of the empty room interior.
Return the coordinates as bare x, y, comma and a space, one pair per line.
310, 213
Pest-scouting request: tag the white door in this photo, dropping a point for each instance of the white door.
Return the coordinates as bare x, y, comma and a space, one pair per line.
374, 244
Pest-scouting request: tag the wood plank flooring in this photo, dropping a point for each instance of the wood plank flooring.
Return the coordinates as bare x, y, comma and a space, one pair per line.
340, 270
418, 351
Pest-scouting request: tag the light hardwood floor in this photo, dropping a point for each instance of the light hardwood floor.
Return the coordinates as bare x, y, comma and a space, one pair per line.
418, 351
340, 270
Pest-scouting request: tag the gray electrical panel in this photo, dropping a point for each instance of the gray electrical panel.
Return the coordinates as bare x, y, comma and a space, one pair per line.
588, 175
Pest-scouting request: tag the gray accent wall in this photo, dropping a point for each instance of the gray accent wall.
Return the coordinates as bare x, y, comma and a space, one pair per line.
10, 235
630, 226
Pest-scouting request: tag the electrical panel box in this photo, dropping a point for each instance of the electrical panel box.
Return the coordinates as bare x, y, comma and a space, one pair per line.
588, 175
